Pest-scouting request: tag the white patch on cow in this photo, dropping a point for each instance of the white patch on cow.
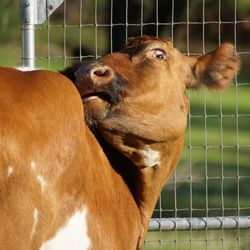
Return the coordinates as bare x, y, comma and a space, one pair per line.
43, 183
150, 157
10, 171
33, 166
35, 216
40, 179
73, 236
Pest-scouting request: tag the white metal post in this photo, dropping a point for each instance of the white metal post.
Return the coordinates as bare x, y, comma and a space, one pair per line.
28, 49
28, 13
33, 12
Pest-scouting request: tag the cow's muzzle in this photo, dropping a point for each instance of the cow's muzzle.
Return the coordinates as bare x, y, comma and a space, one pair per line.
93, 75
93, 81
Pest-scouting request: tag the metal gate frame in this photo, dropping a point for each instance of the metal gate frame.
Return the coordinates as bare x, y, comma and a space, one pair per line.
33, 12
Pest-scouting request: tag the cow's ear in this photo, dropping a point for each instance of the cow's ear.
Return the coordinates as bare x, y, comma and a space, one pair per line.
69, 72
215, 70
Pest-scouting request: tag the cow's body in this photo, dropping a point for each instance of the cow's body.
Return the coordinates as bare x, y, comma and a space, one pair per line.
64, 186
52, 169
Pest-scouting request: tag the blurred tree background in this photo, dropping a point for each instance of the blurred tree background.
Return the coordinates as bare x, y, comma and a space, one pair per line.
128, 18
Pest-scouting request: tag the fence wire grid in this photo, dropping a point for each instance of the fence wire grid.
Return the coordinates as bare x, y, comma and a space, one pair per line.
206, 203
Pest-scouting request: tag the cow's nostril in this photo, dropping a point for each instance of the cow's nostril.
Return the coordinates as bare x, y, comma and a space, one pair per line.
101, 72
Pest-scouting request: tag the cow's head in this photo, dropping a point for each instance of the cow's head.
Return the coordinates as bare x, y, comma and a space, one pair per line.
136, 100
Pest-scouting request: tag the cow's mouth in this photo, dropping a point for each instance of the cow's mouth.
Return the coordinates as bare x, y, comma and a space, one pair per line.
100, 95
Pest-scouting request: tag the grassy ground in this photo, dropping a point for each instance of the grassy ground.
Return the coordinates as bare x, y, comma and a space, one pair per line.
198, 240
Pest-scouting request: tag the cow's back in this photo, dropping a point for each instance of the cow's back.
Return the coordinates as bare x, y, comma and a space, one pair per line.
40, 123
41, 117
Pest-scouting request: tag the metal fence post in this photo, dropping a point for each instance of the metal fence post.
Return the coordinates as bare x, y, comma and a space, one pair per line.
33, 12
28, 11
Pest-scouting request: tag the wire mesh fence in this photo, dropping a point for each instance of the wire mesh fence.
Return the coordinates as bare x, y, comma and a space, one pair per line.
211, 183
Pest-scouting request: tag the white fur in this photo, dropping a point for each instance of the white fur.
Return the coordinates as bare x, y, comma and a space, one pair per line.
73, 236
10, 171
35, 216
39, 178
150, 157
33, 166
43, 183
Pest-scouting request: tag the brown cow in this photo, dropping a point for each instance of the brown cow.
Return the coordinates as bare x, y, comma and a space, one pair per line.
65, 187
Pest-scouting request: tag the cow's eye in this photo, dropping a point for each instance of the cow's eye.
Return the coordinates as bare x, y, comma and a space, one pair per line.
160, 54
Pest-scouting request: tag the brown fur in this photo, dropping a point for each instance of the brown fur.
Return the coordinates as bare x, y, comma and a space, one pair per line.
42, 122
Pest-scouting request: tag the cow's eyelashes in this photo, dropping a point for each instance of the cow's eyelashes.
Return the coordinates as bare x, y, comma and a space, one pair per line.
160, 54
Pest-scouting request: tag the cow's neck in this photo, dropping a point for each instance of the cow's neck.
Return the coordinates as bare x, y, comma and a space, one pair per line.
121, 164
145, 183
152, 179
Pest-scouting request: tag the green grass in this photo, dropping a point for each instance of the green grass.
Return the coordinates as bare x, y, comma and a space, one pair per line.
10, 54
198, 240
